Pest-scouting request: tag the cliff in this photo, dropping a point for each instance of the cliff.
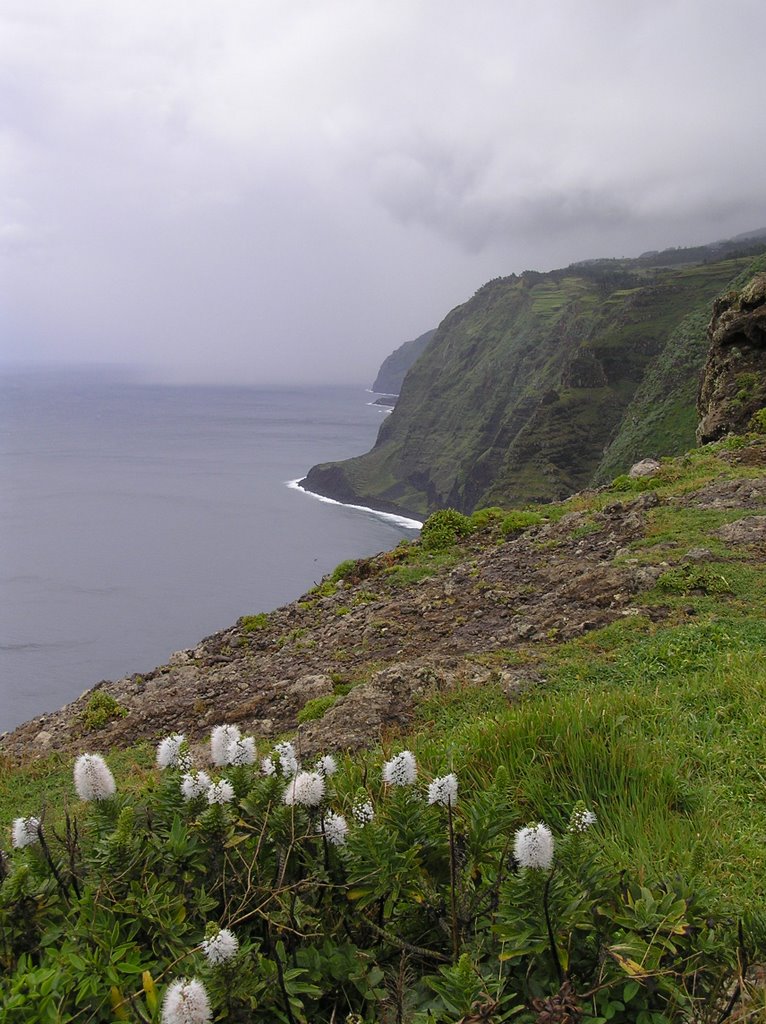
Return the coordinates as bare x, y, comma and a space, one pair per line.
542, 384
394, 367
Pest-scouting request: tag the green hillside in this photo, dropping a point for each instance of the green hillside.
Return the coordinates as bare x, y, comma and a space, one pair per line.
394, 368
543, 383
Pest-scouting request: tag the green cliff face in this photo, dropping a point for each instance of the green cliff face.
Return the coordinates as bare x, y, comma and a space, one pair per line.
394, 368
544, 383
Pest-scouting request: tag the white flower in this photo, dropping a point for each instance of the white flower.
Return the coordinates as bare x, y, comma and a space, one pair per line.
268, 767
25, 832
194, 785
221, 738
170, 753
220, 792
220, 947
533, 847
443, 791
327, 765
241, 751
92, 778
335, 828
306, 788
363, 812
401, 770
186, 1002
288, 759
581, 820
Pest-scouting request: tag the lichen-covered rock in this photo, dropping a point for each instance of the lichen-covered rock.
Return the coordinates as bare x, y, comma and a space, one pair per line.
646, 467
733, 385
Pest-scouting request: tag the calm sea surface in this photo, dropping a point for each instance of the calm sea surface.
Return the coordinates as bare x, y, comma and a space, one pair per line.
136, 519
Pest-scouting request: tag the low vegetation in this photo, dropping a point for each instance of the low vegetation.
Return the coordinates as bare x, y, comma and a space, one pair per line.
591, 850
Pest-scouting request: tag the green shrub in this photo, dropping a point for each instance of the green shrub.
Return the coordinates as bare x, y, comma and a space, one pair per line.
684, 579
316, 707
484, 516
628, 483
100, 709
443, 528
344, 569
758, 422
252, 623
519, 520
324, 589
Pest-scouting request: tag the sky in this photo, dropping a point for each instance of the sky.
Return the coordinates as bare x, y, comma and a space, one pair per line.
283, 191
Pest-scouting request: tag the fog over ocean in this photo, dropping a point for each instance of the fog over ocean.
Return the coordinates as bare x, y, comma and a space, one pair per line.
136, 519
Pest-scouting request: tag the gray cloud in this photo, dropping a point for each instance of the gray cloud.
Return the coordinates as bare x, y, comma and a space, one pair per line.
275, 192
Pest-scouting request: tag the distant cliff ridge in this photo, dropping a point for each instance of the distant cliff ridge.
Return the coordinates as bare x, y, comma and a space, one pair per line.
393, 369
543, 384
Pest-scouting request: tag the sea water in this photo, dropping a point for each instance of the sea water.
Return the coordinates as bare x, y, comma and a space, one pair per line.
135, 519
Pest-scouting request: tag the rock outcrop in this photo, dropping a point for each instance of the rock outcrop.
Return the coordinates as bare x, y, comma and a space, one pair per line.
733, 385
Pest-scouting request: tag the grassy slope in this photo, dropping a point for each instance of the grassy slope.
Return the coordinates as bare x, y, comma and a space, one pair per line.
661, 418
524, 386
659, 727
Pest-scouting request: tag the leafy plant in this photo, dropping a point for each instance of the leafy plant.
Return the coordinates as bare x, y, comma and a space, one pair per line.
443, 528
101, 709
316, 707
253, 623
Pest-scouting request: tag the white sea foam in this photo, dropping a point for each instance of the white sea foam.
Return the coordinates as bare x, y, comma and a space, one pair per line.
389, 517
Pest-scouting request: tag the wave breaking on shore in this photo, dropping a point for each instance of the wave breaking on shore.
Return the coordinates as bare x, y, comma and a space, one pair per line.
389, 517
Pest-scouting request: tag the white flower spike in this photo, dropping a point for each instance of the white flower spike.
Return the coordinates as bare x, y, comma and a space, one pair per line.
92, 778
220, 947
363, 812
443, 791
335, 828
221, 739
220, 792
194, 785
533, 847
241, 751
186, 1002
305, 788
288, 759
327, 765
401, 770
170, 753
581, 820
25, 832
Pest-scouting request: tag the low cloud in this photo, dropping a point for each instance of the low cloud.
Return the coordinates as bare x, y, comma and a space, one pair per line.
286, 192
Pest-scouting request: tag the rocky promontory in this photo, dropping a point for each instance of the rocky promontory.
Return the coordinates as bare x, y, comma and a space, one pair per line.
364, 647
733, 386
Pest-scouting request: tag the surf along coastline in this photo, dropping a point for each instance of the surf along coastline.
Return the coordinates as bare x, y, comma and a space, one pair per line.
396, 518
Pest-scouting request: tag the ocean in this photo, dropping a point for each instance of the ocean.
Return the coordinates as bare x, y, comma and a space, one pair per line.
136, 518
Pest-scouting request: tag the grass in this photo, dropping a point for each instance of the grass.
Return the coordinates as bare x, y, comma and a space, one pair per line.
661, 731
45, 784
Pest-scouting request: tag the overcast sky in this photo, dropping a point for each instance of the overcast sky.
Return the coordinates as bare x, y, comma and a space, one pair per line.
285, 190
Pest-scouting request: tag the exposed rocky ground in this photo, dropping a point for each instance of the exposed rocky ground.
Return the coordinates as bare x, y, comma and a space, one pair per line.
378, 639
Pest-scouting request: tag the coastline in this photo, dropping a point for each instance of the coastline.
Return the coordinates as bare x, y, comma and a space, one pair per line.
397, 518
